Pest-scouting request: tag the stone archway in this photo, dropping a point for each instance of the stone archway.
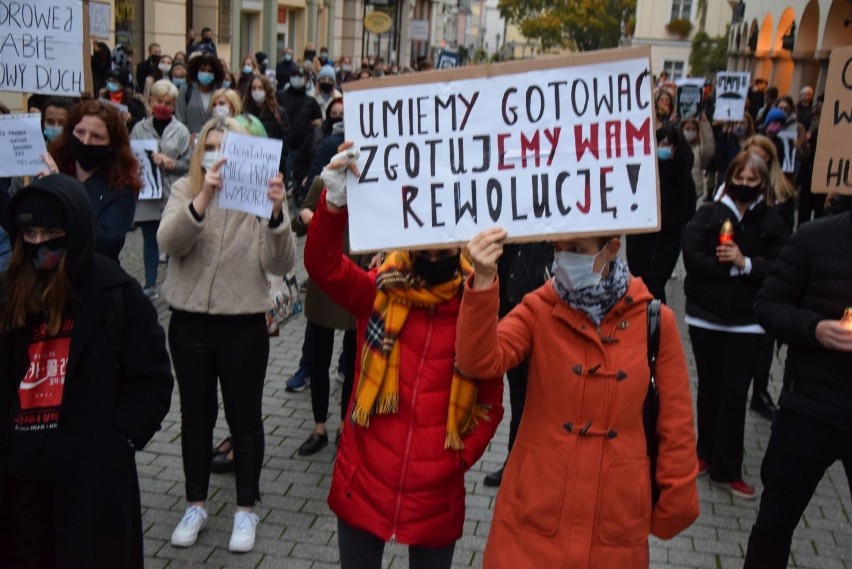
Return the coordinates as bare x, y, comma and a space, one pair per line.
838, 25
762, 64
782, 72
805, 54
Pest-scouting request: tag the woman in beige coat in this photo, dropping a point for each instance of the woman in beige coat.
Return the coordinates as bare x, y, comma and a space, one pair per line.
217, 289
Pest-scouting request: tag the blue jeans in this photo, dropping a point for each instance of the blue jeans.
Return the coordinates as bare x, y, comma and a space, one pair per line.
150, 250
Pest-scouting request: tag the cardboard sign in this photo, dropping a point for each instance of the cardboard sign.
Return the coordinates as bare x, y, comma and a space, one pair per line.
834, 153
40, 46
788, 161
690, 95
152, 183
731, 94
21, 145
555, 147
99, 20
251, 161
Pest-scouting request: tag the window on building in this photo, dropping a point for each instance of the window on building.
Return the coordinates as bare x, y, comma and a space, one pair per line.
674, 68
681, 10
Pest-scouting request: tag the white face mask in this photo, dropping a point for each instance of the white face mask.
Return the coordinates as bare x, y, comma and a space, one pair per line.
258, 96
689, 135
575, 271
209, 158
165, 67
297, 82
221, 111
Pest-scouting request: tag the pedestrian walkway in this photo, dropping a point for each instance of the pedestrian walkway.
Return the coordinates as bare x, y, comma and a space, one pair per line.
297, 530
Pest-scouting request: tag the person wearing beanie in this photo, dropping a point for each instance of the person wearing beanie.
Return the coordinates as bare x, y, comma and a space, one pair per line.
326, 91
775, 115
86, 381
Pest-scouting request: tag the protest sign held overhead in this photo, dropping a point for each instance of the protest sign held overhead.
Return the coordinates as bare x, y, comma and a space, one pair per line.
41, 46
788, 141
731, 94
556, 147
152, 183
21, 145
99, 18
690, 94
250, 162
833, 153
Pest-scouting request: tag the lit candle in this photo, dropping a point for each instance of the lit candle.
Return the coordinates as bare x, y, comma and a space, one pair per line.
846, 321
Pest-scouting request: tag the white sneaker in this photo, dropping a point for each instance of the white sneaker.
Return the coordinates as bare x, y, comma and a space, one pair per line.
187, 530
242, 538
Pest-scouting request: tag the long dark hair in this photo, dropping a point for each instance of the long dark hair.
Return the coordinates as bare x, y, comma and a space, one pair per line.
122, 169
31, 292
270, 103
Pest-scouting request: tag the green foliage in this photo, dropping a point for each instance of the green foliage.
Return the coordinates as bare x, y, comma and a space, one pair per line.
709, 54
583, 25
679, 27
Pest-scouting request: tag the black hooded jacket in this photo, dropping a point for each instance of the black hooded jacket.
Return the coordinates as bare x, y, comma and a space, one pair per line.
117, 389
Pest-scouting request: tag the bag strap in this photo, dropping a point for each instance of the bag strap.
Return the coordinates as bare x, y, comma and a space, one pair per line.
653, 337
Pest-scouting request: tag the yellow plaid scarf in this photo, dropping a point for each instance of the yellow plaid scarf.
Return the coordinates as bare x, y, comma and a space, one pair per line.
399, 288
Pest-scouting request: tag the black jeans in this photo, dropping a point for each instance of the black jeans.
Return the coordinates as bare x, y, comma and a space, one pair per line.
234, 349
725, 363
763, 365
360, 549
653, 256
321, 349
800, 449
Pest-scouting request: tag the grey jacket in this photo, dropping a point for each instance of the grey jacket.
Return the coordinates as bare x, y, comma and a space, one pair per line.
218, 265
194, 113
175, 144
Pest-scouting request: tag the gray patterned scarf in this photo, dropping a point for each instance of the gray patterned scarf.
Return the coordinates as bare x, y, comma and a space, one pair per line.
598, 299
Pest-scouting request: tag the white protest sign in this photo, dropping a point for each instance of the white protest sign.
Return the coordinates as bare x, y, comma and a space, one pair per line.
152, 183
250, 162
564, 148
788, 161
121, 108
99, 18
419, 30
41, 46
21, 145
731, 93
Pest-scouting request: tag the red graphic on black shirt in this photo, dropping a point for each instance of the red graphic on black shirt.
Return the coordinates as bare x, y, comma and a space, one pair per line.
40, 392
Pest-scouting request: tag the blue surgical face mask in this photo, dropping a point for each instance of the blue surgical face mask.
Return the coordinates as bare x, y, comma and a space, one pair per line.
575, 271
113, 87
205, 78
226, 84
179, 81
247, 69
288, 57
664, 152
51, 132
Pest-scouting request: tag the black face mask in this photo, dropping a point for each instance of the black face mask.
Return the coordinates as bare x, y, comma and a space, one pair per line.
326, 87
89, 156
436, 272
45, 256
310, 55
155, 59
328, 124
742, 193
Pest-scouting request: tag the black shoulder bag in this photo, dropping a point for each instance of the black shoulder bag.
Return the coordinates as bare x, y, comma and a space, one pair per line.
651, 407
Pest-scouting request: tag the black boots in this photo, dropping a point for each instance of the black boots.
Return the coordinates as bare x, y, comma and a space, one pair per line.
762, 404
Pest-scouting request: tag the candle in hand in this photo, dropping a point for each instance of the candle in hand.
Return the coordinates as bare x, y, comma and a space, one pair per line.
846, 321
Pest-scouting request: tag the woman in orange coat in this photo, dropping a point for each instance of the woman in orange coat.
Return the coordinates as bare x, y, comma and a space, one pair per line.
576, 491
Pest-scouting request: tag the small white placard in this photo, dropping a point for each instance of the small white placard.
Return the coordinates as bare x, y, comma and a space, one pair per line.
21, 145
152, 183
250, 162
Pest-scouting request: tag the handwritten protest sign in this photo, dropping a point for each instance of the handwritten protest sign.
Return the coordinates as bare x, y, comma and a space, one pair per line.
251, 161
21, 145
788, 161
690, 93
731, 93
152, 183
40, 46
99, 18
556, 147
834, 153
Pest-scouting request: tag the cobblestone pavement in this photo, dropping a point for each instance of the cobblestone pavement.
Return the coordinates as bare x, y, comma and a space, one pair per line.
297, 530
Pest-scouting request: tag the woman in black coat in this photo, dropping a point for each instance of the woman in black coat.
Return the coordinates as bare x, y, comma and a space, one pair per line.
723, 274
259, 100
85, 380
653, 256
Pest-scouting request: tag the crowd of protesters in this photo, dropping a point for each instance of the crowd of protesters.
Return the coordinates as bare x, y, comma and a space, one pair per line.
63, 264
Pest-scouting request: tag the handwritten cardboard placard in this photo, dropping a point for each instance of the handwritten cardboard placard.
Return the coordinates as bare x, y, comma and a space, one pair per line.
21, 145
250, 162
731, 93
788, 161
99, 20
690, 95
555, 147
40, 46
834, 153
152, 183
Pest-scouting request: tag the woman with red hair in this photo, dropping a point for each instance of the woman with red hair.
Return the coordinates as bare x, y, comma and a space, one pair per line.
95, 148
